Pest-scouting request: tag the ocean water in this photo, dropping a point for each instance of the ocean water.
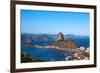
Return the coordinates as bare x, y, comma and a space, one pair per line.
80, 42
43, 42
52, 54
47, 54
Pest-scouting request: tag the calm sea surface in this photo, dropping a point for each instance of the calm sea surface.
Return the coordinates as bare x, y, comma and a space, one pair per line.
52, 54
46, 54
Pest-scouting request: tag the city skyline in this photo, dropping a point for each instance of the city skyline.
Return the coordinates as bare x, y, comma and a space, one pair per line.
52, 22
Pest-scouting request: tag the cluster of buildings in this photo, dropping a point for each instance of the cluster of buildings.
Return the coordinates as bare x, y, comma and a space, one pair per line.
53, 47
81, 54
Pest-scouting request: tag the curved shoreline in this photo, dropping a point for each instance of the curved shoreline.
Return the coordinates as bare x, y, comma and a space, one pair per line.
78, 53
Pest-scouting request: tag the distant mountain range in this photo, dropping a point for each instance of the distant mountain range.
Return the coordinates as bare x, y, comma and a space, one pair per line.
51, 36
29, 37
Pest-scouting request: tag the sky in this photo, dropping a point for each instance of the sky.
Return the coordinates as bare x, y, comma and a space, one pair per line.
52, 22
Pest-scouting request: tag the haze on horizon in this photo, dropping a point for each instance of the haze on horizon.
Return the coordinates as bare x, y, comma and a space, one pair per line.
47, 22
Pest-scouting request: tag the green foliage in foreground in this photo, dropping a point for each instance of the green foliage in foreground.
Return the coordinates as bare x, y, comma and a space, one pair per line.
27, 58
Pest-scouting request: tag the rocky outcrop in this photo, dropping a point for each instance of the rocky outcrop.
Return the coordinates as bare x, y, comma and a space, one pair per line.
83, 54
66, 44
69, 44
60, 37
25, 57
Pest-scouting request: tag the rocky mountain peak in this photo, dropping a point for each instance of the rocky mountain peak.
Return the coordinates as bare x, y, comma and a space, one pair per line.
60, 37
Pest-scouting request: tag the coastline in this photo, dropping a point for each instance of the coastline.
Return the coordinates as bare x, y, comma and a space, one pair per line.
78, 53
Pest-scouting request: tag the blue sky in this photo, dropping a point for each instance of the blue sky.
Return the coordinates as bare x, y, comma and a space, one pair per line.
49, 22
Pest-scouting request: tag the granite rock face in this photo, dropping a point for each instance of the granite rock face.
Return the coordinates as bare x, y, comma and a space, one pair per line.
69, 44
62, 43
60, 37
66, 44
